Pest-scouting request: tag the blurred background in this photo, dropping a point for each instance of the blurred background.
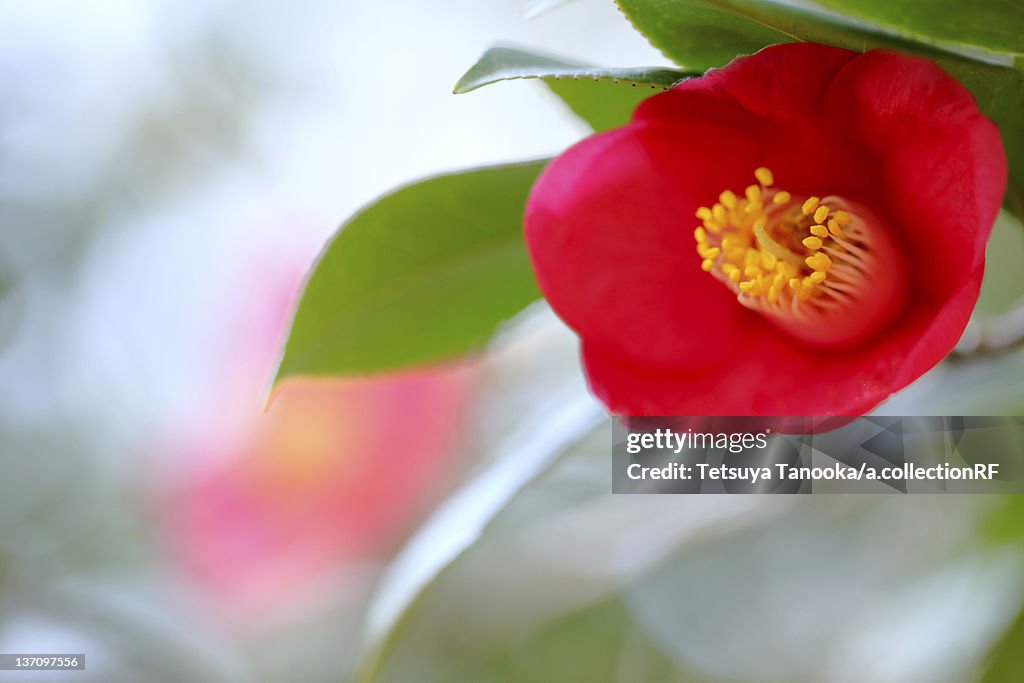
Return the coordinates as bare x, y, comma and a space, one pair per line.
168, 172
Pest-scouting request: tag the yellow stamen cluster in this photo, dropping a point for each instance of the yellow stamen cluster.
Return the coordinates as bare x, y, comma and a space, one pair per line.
780, 254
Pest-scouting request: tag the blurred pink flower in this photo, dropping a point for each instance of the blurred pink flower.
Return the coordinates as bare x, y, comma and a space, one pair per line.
333, 475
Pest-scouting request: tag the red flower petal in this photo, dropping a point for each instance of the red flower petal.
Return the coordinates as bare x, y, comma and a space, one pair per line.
781, 82
943, 166
609, 228
780, 377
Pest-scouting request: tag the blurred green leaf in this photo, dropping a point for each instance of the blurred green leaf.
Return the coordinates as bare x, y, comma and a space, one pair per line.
604, 98
676, 27
1003, 285
422, 275
1006, 661
1005, 524
545, 567
712, 587
992, 25
740, 603
598, 644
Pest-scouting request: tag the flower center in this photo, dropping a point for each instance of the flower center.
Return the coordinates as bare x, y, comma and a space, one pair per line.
824, 269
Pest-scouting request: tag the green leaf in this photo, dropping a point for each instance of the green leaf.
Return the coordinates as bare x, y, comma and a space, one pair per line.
676, 27
698, 34
1005, 521
505, 63
992, 25
1006, 661
422, 275
544, 558
661, 578
600, 107
598, 644
885, 577
1003, 286
604, 98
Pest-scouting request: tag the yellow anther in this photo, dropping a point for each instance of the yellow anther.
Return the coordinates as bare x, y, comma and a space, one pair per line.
819, 261
754, 288
810, 205
753, 248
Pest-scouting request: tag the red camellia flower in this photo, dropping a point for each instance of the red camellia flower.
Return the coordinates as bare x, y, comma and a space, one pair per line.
801, 232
